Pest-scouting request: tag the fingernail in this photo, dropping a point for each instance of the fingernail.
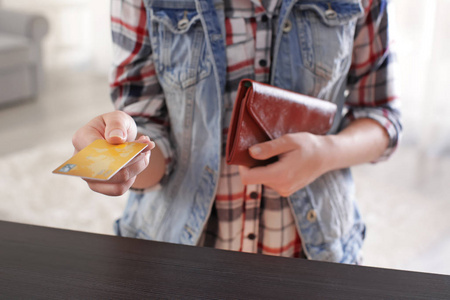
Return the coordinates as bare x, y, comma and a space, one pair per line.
255, 150
116, 133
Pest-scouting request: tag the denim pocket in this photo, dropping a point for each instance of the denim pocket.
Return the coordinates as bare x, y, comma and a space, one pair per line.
325, 34
179, 46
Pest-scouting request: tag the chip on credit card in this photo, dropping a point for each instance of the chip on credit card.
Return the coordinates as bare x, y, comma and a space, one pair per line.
100, 160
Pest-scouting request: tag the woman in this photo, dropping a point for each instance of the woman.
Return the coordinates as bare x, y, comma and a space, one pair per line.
177, 65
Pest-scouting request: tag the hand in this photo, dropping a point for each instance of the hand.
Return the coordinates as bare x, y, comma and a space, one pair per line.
115, 127
302, 159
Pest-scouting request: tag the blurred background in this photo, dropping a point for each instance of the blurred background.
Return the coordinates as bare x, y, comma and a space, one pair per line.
405, 201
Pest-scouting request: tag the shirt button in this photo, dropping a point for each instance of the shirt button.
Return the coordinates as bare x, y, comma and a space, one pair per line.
251, 236
254, 195
263, 62
264, 18
311, 216
287, 26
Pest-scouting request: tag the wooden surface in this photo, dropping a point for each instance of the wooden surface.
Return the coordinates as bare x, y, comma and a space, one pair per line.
48, 263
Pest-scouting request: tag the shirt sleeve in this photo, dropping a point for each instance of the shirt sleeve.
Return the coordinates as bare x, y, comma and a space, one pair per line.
134, 85
371, 81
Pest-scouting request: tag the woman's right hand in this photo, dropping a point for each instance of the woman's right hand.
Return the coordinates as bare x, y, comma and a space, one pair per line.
115, 127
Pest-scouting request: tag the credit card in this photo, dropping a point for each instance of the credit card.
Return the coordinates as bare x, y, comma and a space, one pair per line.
100, 160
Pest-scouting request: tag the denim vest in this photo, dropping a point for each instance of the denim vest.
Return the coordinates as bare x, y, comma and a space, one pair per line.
312, 57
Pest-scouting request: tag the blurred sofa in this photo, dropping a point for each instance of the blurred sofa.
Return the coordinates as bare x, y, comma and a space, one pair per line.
21, 72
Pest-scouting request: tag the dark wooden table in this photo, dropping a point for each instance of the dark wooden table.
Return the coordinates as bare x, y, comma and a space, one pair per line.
48, 263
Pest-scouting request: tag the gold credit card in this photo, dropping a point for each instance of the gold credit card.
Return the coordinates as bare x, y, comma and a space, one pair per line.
100, 160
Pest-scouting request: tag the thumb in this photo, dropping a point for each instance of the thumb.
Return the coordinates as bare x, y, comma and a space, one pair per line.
119, 127
271, 148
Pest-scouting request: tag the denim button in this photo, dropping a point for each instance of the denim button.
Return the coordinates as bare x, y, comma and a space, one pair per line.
330, 13
311, 216
287, 26
183, 23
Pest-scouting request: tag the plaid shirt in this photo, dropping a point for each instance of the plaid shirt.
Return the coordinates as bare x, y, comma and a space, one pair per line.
251, 218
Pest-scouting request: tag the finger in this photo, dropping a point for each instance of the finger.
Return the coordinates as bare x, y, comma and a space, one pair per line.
119, 127
141, 157
272, 148
146, 140
87, 134
96, 129
271, 176
110, 189
134, 168
260, 175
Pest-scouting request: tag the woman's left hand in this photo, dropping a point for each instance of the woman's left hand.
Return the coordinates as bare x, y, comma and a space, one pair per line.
303, 157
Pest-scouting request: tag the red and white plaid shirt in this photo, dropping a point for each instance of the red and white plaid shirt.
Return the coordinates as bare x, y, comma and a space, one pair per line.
251, 218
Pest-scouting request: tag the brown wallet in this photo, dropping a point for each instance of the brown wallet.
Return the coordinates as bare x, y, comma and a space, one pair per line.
263, 112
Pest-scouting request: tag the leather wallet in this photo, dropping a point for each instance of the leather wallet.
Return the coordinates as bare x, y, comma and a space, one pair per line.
263, 112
